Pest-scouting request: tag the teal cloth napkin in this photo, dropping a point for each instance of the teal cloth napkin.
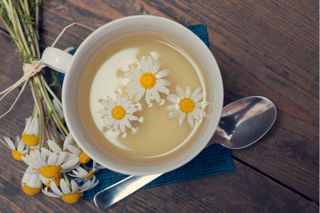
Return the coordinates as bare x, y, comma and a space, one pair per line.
214, 160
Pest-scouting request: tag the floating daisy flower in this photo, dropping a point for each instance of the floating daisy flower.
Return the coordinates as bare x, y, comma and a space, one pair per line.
80, 173
187, 105
117, 115
18, 148
50, 164
30, 135
148, 80
69, 192
31, 183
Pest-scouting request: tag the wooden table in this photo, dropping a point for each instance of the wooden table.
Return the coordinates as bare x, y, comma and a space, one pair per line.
267, 48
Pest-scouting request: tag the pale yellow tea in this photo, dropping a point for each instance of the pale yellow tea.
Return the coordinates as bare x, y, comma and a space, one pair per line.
163, 120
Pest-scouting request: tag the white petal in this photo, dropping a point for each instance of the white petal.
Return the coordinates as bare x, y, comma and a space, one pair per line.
10, 143
148, 97
173, 98
45, 153
149, 64
74, 187
21, 146
156, 67
122, 126
180, 92
49, 194
52, 160
182, 116
131, 117
73, 149
164, 82
55, 189
162, 73
188, 91
127, 123
190, 120
139, 94
61, 158
54, 146
71, 162
161, 88
64, 187
197, 95
68, 141
155, 95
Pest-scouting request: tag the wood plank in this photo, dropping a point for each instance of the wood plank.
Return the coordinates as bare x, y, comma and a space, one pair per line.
259, 53
229, 193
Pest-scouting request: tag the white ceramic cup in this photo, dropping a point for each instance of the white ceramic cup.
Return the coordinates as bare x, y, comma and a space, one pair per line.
73, 67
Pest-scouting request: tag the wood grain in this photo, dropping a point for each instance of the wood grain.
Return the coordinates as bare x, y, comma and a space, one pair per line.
260, 52
267, 48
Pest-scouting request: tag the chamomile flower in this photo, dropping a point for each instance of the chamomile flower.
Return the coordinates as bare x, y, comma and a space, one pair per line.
69, 192
70, 147
30, 135
80, 173
147, 80
187, 105
31, 183
18, 148
117, 115
50, 164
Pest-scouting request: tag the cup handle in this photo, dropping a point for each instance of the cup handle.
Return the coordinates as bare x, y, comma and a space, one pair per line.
57, 59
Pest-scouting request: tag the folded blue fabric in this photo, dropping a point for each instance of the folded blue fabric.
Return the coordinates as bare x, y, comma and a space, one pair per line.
214, 160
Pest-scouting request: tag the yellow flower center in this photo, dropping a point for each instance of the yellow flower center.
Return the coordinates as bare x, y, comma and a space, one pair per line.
186, 105
17, 155
56, 181
148, 80
71, 198
89, 175
50, 171
30, 140
118, 112
84, 158
30, 191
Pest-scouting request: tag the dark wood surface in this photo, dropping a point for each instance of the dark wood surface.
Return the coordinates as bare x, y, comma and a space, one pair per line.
267, 48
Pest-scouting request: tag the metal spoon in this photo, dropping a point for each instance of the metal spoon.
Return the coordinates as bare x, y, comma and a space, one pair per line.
242, 123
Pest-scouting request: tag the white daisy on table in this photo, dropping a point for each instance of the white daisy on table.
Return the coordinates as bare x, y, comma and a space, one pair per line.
50, 164
69, 192
30, 135
117, 115
31, 183
80, 173
18, 148
147, 80
70, 147
185, 104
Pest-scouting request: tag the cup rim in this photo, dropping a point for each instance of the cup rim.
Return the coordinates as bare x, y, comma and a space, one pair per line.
178, 161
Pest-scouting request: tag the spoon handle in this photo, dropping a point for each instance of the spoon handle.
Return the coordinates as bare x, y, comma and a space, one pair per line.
122, 189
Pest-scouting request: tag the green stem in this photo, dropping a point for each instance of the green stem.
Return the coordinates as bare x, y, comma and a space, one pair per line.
50, 91
50, 106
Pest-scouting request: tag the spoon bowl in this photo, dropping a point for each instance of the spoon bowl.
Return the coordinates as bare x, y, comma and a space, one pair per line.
246, 121
242, 124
